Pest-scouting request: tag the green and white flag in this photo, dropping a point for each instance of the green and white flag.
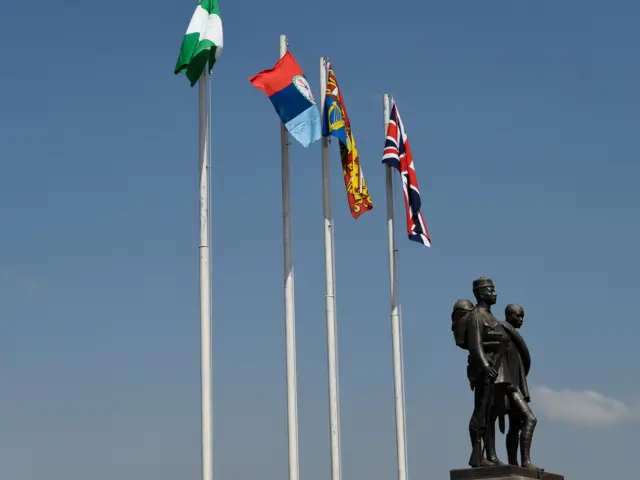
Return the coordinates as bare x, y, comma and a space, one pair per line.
202, 43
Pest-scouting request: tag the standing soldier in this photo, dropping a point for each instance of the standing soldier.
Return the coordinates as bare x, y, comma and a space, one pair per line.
486, 341
522, 421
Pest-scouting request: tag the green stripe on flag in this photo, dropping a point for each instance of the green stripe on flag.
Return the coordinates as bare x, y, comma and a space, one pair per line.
202, 43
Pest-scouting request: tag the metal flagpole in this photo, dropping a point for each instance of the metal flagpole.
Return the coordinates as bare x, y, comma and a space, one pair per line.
289, 302
335, 322
205, 283
395, 321
332, 347
404, 403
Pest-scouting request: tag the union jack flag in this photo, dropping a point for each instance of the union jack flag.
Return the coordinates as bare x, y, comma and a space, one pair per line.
397, 154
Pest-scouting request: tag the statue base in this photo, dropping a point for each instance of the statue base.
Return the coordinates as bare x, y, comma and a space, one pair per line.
502, 472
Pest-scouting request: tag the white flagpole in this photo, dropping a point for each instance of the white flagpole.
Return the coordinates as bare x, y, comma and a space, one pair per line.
332, 347
395, 321
335, 322
289, 302
404, 403
205, 283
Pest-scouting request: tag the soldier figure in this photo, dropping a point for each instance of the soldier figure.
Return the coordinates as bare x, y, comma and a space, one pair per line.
522, 421
485, 340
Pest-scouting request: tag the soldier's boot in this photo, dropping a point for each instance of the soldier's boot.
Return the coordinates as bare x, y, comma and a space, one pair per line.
476, 449
492, 456
513, 438
526, 436
477, 458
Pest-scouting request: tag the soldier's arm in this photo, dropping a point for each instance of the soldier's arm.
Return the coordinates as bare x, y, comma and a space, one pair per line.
474, 339
521, 346
523, 349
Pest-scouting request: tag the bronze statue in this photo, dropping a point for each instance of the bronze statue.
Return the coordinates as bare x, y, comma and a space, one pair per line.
497, 367
479, 332
522, 421
498, 364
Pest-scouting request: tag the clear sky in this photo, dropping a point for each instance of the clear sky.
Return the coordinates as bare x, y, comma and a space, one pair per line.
523, 120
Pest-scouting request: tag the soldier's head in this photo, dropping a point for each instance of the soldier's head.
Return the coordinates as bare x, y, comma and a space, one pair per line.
485, 291
514, 314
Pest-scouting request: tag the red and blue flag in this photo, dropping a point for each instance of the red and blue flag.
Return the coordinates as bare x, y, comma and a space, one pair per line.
288, 89
397, 154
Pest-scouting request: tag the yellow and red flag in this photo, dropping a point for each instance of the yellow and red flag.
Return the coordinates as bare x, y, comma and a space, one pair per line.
336, 123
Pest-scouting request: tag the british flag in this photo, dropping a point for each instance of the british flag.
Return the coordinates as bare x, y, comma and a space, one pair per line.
397, 154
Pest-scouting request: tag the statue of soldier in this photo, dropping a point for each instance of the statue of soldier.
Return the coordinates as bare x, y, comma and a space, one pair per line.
479, 332
517, 361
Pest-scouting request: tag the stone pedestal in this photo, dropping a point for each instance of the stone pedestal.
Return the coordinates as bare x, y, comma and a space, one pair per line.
505, 472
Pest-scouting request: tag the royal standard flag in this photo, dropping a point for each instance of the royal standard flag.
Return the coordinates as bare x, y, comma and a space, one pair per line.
202, 43
336, 123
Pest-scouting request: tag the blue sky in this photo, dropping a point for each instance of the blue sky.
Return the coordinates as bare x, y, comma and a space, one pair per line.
523, 120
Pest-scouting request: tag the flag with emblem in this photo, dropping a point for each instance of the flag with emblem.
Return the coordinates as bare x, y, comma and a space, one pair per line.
202, 44
336, 123
397, 154
286, 86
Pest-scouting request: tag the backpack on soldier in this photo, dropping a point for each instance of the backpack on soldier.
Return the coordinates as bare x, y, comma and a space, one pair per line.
459, 319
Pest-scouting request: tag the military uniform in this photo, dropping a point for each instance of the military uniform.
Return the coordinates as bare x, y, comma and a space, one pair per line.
487, 342
522, 421
517, 361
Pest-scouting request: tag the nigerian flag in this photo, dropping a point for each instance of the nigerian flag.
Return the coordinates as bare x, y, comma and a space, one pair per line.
202, 43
